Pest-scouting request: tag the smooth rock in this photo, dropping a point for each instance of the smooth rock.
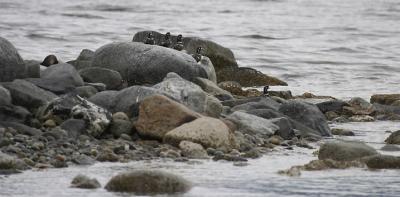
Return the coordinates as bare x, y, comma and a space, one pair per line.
252, 124
286, 130
28, 95
146, 182
119, 127
58, 78
159, 114
308, 114
74, 127
11, 64
86, 91
345, 151
263, 103
331, 105
343, 132
32, 68
384, 99
248, 77
209, 132
141, 64
111, 78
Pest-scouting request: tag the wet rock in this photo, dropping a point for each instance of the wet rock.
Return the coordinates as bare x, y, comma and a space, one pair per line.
11, 113
159, 114
252, 124
105, 99
111, 78
192, 150
207, 65
28, 95
343, 132
253, 154
5, 96
281, 94
331, 164
59, 162
213, 107
119, 127
383, 162
384, 99
11, 64
107, 156
361, 118
292, 172
49, 123
276, 140
140, 64
84, 182
307, 114
331, 105
74, 127
8, 164
393, 138
56, 133
229, 157
331, 115
247, 77
99, 86
358, 106
345, 151
211, 88
86, 91
145, 182
386, 110
209, 132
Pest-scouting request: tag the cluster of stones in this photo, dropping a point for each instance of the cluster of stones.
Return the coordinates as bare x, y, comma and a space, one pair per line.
133, 101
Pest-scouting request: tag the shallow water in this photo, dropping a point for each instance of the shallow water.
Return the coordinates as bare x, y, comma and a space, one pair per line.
337, 47
210, 178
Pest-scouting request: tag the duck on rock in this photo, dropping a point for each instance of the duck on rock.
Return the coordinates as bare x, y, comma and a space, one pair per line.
179, 43
150, 39
197, 56
167, 40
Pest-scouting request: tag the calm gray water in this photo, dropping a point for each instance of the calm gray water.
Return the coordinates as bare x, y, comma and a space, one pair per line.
341, 48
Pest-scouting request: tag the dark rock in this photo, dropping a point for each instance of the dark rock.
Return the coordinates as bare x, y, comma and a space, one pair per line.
235, 102
28, 95
247, 77
281, 94
86, 91
332, 105
105, 99
148, 183
286, 130
86, 54
74, 127
232, 87
112, 79
307, 114
386, 109
11, 64
84, 182
49, 60
345, 151
99, 86
394, 138
390, 147
342, 132
84, 59
140, 64
59, 78
383, 162
228, 157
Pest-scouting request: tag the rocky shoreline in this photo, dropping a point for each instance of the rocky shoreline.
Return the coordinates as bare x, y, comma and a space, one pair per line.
131, 101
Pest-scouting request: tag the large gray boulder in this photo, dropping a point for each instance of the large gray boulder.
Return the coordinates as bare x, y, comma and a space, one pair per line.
383, 162
345, 151
252, 124
28, 95
146, 182
58, 78
111, 78
264, 103
308, 114
222, 58
11, 64
11, 113
393, 138
5, 96
141, 64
